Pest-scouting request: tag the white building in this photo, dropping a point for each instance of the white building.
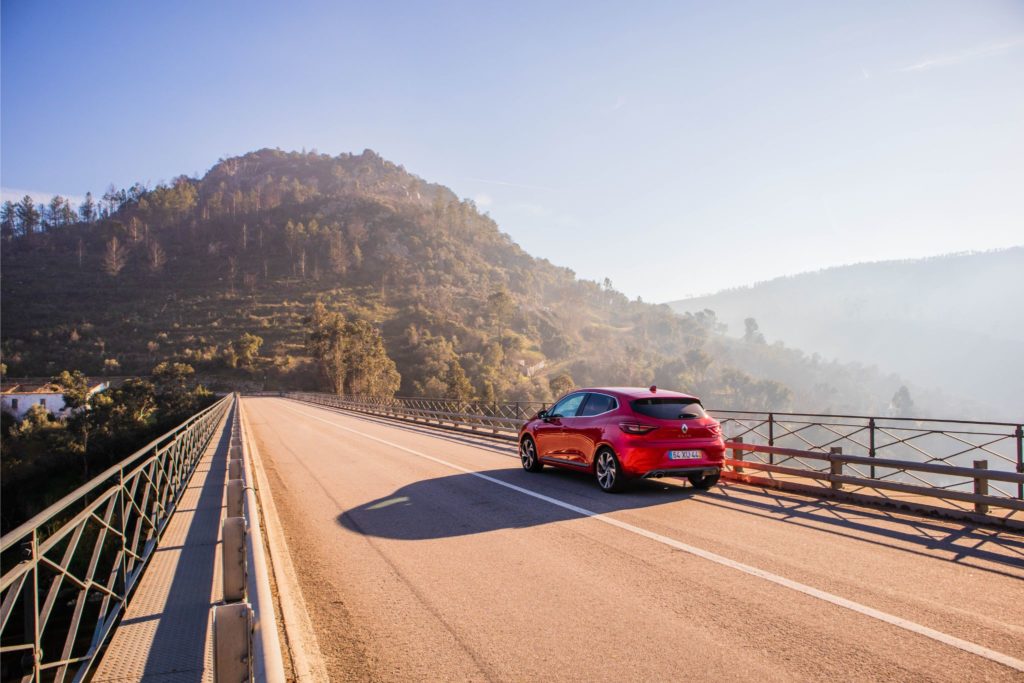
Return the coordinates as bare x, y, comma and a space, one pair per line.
17, 398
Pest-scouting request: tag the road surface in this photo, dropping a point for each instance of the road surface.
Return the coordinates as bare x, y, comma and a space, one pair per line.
431, 555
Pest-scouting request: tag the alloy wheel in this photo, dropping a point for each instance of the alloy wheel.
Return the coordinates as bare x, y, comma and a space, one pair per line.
606, 470
528, 454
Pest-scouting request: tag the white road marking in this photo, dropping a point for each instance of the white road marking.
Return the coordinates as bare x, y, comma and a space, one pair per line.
965, 645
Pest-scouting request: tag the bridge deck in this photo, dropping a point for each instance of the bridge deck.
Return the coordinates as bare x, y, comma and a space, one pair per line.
167, 631
430, 555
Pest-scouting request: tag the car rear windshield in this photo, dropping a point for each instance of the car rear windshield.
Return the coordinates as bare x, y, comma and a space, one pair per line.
669, 408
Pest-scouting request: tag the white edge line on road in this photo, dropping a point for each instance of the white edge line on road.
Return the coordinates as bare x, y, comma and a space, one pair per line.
965, 645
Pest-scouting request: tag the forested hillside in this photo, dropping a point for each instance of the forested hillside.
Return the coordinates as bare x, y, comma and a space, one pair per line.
952, 322
223, 272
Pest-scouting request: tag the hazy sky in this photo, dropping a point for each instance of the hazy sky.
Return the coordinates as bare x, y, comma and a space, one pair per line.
677, 148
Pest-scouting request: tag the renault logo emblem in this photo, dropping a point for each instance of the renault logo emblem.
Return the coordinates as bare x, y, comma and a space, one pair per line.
685, 429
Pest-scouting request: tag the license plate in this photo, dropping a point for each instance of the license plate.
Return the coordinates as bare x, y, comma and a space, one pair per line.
684, 455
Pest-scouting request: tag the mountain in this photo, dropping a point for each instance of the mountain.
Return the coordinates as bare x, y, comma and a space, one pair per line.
195, 269
951, 322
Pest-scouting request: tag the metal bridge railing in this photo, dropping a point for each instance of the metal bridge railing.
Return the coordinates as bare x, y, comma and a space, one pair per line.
68, 573
925, 453
502, 418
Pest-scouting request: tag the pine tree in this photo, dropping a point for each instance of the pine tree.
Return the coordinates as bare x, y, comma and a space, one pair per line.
88, 209
370, 371
51, 218
28, 215
457, 383
326, 343
8, 220
247, 349
501, 305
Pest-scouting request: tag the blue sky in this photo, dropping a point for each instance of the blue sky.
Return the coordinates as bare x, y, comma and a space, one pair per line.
677, 148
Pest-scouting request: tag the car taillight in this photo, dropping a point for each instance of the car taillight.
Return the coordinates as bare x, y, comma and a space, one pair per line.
716, 430
636, 428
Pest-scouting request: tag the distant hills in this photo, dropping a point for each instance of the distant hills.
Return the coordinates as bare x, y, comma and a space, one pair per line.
190, 269
954, 323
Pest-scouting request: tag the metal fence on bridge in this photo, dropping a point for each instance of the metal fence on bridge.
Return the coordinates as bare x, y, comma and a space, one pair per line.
957, 443
68, 572
956, 460
497, 417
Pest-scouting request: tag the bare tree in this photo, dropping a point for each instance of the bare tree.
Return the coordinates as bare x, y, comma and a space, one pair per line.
134, 229
115, 258
156, 257
337, 253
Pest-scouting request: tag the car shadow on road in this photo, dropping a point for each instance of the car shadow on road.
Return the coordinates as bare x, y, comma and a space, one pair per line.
466, 504
458, 505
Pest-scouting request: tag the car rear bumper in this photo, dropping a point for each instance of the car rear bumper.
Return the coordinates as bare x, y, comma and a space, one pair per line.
652, 460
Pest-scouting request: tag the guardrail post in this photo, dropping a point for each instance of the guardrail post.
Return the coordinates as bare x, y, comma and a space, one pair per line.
234, 574
771, 436
37, 651
29, 600
123, 517
235, 496
836, 467
981, 486
871, 443
1020, 458
232, 643
737, 454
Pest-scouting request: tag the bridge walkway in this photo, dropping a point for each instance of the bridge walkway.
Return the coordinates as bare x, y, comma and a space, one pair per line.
166, 634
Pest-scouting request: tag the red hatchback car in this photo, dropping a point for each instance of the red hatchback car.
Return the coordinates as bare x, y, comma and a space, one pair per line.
622, 433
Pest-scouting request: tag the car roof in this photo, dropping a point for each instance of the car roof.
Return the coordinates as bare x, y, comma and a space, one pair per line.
639, 392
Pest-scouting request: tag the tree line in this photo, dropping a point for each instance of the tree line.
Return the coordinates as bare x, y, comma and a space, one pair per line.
43, 458
25, 217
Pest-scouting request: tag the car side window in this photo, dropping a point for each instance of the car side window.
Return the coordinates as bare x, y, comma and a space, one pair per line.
568, 406
597, 404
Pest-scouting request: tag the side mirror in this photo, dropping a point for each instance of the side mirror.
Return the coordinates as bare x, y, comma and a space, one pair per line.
542, 415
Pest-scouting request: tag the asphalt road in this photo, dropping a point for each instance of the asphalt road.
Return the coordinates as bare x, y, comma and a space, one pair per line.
429, 555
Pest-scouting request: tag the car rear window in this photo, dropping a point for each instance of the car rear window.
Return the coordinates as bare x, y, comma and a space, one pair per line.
669, 408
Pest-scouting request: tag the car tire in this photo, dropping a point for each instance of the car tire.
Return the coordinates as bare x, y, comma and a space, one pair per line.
704, 481
528, 456
608, 471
